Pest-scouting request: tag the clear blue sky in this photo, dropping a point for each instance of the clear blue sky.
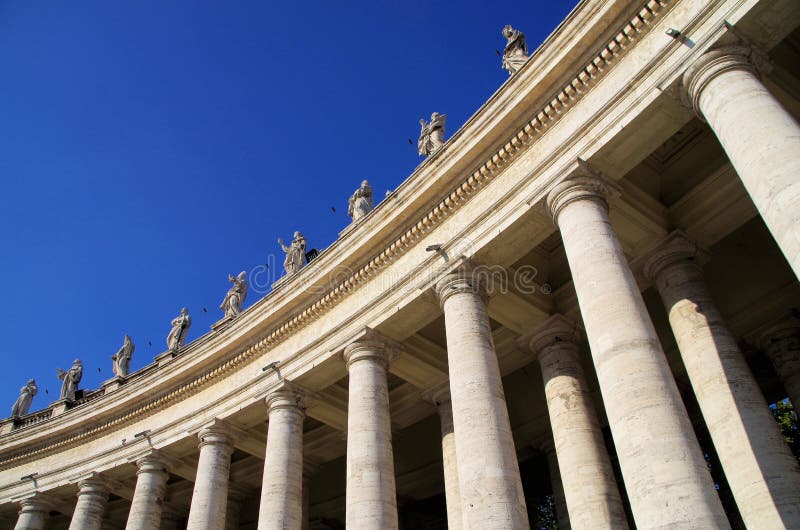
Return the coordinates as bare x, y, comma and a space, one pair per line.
150, 148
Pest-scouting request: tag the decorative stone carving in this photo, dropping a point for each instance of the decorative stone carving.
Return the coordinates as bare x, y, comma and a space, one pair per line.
23, 402
234, 299
431, 136
515, 53
295, 253
180, 327
70, 379
360, 202
122, 359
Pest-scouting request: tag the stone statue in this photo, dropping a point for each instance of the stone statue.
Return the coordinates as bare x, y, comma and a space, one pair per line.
180, 327
516, 51
431, 137
23, 402
234, 300
70, 379
295, 253
360, 202
122, 359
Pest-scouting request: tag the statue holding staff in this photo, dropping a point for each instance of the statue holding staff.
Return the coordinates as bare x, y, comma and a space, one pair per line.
295, 253
431, 136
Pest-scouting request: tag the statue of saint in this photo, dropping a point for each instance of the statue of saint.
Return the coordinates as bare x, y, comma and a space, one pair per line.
23, 402
431, 137
360, 202
122, 359
70, 379
234, 300
516, 51
295, 253
180, 327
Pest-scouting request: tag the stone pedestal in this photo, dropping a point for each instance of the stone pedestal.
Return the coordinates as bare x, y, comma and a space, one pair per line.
92, 497
762, 473
210, 495
781, 344
725, 89
281, 505
148, 497
591, 493
488, 472
665, 474
34, 513
371, 501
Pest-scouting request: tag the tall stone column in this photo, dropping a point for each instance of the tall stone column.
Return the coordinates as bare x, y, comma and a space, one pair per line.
92, 497
34, 513
233, 512
592, 496
170, 520
665, 475
440, 397
210, 495
781, 344
148, 497
762, 472
560, 502
282, 488
371, 501
490, 486
724, 88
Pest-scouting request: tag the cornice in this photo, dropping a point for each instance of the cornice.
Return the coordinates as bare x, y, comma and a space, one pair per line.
550, 113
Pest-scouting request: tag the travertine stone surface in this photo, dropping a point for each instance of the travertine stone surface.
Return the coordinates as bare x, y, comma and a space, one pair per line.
210, 495
549, 449
490, 486
440, 397
371, 501
92, 498
762, 473
148, 497
34, 513
591, 493
724, 87
665, 474
282, 487
781, 343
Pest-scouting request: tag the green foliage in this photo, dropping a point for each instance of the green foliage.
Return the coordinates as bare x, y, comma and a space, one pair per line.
785, 415
544, 515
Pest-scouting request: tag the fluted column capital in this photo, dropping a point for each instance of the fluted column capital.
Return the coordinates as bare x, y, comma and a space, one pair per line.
583, 183
287, 396
675, 248
217, 434
557, 333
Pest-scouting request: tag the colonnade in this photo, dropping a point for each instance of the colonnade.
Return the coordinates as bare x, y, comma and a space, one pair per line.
662, 465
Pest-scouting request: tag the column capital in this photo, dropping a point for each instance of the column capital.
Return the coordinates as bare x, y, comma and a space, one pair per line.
217, 433
556, 332
36, 502
438, 394
718, 60
369, 348
466, 279
153, 462
582, 183
674, 248
94, 484
286, 396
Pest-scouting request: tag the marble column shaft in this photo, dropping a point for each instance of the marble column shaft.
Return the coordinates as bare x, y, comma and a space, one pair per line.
761, 138
92, 498
371, 501
781, 344
33, 515
148, 497
665, 474
281, 505
488, 471
210, 495
591, 493
762, 472
449, 461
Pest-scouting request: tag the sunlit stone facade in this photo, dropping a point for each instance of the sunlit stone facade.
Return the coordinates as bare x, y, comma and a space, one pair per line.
583, 302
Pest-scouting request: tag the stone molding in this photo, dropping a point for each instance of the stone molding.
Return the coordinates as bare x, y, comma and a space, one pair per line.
286, 396
609, 55
583, 183
94, 486
675, 248
153, 463
466, 278
217, 433
556, 330
366, 350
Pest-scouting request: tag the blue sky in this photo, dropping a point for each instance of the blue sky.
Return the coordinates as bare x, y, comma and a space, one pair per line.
150, 148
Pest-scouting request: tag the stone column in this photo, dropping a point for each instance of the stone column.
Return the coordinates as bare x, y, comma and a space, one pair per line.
92, 497
371, 501
34, 513
760, 469
210, 495
592, 496
781, 344
440, 397
665, 474
281, 505
233, 512
560, 502
488, 472
724, 88
170, 520
148, 497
